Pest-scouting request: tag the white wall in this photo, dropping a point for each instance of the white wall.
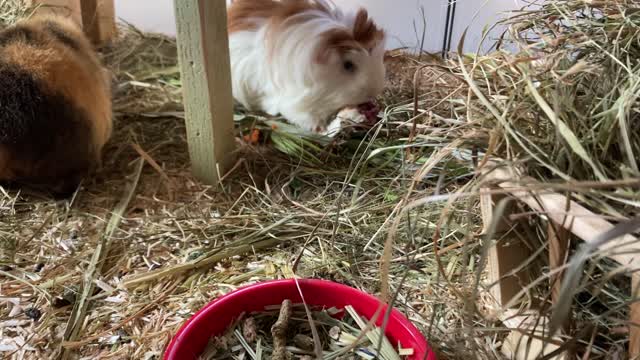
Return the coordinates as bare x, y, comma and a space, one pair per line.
476, 15
396, 16
148, 15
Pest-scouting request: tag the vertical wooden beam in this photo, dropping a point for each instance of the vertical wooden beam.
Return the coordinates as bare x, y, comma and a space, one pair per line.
558, 238
559, 241
507, 254
203, 52
70, 8
99, 20
634, 319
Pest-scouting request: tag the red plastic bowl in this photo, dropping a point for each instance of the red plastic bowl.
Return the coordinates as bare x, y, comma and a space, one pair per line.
216, 316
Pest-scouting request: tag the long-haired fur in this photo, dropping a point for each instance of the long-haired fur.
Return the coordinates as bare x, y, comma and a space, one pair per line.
303, 59
55, 104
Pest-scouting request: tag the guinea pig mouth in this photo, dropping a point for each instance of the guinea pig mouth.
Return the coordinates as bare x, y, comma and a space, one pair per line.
370, 110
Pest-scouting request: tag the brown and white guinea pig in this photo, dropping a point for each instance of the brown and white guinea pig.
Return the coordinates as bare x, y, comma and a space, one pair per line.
55, 105
303, 59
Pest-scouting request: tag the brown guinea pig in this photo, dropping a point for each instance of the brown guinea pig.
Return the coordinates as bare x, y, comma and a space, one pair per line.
55, 105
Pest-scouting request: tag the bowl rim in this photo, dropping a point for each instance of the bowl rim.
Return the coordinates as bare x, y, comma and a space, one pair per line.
189, 325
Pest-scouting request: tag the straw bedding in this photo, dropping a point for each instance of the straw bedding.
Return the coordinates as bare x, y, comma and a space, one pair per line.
115, 271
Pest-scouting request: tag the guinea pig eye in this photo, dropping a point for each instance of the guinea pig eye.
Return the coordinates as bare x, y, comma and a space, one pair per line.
349, 66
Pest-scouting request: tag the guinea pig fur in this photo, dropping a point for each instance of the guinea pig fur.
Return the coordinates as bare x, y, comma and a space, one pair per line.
55, 105
303, 59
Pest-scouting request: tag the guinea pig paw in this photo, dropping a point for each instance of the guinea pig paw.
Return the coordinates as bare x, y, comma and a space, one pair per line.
351, 115
334, 128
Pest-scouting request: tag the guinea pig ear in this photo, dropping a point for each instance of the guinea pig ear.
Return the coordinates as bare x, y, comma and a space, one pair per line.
365, 30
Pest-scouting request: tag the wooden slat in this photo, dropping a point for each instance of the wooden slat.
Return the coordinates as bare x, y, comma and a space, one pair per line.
99, 20
203, 50
69, 8
577, 219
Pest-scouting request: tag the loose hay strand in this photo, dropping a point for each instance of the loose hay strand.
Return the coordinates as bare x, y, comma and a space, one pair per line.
94, 270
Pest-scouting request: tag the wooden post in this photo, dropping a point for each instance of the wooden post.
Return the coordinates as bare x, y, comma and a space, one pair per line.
509, 253
558, 238
559, 241
69, 8
506, 255
99, 20
524, 342
203, 52
634, 319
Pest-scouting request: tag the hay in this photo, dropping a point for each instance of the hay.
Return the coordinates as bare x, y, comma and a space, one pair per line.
567, 98
181, 244
405, 191
563, 108
12, 11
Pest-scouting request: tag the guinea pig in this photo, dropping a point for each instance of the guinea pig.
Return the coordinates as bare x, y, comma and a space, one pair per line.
55, 105
304, 60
